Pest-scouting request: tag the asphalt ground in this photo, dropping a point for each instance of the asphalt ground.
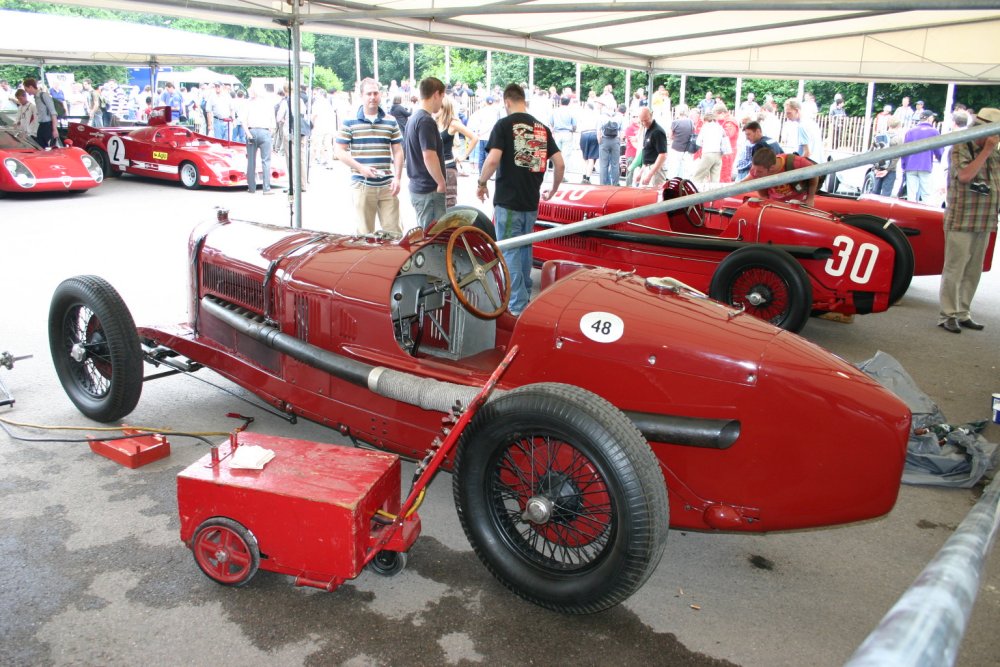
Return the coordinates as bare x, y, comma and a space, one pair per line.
96, 574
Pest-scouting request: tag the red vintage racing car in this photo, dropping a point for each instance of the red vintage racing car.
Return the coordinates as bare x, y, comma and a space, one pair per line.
169, 152
626, 391
780, 262
27, 167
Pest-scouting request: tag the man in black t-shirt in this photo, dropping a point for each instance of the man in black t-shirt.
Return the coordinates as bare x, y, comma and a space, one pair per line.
654, 152
519, 149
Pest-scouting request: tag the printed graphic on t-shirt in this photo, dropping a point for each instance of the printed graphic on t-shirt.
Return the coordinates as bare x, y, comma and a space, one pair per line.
530, 146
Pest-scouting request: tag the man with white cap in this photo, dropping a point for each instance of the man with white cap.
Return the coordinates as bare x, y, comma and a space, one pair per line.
971, 215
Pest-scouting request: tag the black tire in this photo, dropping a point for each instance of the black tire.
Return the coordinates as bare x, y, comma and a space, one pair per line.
225, 551
482, 220
831, 182
189, 176
868, 186
601, 502
903, 262
95, 348
101, 156
388, 563
769, 276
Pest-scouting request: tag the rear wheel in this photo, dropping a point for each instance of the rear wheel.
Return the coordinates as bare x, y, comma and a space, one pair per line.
189, 175
903, 262
561, 498
482, 222
95, 348
767, 283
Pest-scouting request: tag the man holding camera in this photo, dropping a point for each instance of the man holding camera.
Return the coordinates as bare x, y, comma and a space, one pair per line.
973, 201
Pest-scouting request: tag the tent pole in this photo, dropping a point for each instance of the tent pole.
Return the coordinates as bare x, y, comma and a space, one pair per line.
295, 129
866, 139
412, 80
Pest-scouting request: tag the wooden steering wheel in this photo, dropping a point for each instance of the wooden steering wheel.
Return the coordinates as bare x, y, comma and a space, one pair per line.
486, 259
696, 212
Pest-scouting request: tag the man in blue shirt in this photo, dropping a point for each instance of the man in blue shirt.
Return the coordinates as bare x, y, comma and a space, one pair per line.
917, 167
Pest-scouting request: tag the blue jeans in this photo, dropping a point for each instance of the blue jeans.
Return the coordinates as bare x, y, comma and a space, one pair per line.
482, 153
510, 224
609, 165
220, 129
884, 185
239, 134
429, 207
258, 139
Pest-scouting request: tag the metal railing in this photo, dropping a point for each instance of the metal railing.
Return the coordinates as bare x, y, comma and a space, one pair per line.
735, 189
925, 627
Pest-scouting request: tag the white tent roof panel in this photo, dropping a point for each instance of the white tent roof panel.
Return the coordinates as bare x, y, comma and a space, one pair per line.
841, 38
51, 38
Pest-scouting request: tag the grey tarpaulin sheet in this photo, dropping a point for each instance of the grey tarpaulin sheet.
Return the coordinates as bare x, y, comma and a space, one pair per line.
938, 453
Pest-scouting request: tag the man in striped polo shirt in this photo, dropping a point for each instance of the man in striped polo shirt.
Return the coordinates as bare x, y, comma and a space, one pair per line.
371, 145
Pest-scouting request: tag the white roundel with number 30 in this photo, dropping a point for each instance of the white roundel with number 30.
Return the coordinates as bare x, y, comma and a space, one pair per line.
860, 263
602, 327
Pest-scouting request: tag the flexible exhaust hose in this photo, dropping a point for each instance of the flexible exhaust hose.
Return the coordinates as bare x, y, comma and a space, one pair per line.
441, 396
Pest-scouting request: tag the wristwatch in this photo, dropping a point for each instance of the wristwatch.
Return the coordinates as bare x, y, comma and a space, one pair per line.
482, 184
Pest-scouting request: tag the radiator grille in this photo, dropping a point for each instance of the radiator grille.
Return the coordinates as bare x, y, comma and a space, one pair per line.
302, 317
233, 286
553, 213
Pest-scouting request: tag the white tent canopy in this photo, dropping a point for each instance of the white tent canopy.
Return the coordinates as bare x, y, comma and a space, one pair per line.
196, 75
55, 39
861, 40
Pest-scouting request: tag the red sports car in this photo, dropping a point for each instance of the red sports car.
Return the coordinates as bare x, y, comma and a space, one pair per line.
169, 152
27, 167
778, 261
633, 404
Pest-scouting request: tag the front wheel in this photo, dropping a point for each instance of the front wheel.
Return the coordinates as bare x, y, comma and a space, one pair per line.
561, 498
767, 283
189, 175
95, 348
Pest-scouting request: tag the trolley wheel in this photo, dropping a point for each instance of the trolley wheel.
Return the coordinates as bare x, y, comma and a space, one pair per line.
95, 348
768, 283
561, 498
388, 563
226, 551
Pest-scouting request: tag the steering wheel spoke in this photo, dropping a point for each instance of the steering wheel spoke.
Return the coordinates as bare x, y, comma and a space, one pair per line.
486, 260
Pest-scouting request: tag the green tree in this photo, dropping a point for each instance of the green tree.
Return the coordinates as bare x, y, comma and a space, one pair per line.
327, 79
509, 68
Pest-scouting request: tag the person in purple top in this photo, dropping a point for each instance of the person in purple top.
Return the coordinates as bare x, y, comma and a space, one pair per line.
917, 167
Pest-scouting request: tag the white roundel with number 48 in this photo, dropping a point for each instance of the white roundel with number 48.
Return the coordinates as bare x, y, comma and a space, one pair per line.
602, 327
860, 261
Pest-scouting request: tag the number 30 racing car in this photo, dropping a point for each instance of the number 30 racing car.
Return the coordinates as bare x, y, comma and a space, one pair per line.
169, 152
778, 261
634, 404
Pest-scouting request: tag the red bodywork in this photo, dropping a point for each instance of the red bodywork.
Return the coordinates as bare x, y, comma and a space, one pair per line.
922, 224
161, 151
798, 409
26, 167
851, 271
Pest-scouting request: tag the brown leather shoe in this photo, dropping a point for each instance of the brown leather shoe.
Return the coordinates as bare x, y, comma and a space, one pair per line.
971, 324
950, 324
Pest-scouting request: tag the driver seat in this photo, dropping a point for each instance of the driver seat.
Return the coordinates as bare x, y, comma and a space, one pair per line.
690, 220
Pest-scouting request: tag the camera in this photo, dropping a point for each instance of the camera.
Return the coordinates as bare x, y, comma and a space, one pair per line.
979, 187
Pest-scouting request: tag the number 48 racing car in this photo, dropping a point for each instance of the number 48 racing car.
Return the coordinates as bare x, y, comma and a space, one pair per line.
633, 405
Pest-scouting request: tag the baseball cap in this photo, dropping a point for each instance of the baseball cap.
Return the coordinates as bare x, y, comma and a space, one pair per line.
490, 99
927, 113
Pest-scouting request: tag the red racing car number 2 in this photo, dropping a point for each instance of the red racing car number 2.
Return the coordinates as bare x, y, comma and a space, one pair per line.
861, 263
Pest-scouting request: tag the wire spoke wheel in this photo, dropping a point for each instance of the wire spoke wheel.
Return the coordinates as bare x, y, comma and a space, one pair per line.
561, 497
768, 283
95, 348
